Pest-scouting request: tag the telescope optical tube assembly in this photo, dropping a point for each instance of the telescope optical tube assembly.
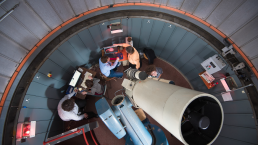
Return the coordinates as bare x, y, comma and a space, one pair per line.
192, 117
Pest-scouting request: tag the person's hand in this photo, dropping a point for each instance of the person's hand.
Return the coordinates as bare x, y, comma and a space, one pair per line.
117, 45
84, 93
85, 115
75, 90
117, 58
111, 49
90, 77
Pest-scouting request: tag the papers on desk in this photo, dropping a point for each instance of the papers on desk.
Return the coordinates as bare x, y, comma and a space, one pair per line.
227, 96
207, 77
86, 77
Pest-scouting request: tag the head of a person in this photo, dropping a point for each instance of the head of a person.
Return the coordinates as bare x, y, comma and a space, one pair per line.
151, 70
89, 83
68, 105
129, 39
130, 49
119, 47
104, 59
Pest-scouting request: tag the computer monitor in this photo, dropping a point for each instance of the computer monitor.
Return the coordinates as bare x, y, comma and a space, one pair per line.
110, 50
75, 78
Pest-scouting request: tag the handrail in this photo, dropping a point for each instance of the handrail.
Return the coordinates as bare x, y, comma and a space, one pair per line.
79, 130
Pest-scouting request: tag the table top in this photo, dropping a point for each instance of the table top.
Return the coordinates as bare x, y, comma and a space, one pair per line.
79, 95
208, 85
125, 57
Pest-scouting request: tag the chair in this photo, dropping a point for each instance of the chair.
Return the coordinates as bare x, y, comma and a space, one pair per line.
107, 79
104, 92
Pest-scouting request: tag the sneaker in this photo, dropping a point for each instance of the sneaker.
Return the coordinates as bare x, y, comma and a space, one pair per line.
96, 116
119, 63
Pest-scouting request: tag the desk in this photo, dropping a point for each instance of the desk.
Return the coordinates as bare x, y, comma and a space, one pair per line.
79, 95
208, 85
125, 56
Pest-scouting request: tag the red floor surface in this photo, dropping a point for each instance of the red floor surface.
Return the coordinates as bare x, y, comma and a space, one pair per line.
102, 133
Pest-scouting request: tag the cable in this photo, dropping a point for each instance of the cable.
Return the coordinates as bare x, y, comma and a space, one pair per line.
93, 138
119, 90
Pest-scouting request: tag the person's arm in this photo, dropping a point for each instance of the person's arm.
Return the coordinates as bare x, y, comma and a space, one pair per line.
122, 44
71, 94
137, 62
92, 91
76, 117
136, 59
114, 64
160, 71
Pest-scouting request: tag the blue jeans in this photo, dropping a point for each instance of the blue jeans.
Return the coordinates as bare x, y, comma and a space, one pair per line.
115, 74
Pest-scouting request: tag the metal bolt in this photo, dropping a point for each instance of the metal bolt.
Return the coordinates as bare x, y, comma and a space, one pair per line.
27, 100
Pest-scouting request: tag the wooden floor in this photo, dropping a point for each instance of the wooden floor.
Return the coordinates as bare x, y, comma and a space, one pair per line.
102, 133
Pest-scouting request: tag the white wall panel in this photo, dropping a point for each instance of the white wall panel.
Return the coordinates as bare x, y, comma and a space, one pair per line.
175, 3
2, 12
255, 62
190, 5
250, 31
92, 4
250, 49
241, 16
7, 67
14, 30
130, 1
30, 20
120, 1
106, 2
222, 11
11, 49
147, 1
79, 6
4, 81
161, 2
45, 12
63, 8
205, 8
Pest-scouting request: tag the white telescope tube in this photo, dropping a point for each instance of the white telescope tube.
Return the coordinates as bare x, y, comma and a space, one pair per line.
166, 104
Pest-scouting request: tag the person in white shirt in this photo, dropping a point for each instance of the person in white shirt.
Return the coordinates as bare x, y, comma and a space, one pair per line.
68, 109
95, 87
